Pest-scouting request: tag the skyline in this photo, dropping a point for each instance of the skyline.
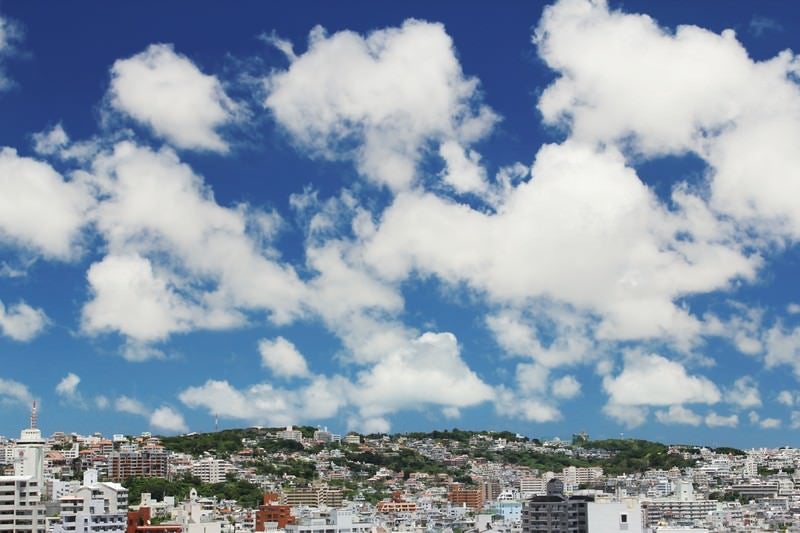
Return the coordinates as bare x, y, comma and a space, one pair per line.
389, 218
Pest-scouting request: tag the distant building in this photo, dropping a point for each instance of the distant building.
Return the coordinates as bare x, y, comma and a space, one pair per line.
338, 521
313, 496
291, 434
211, 470
147, 462
472, 498
352, 438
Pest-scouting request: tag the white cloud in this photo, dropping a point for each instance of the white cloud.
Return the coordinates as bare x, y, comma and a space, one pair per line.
714, 420
630, 416
14, 392
168, 93
569, 335
787, 398
21, 322
678, 414
167, 419
566, 387
511, 404
130, 297
263, 404
463, 171
126, 404
428, 371
770, 423
744, 393
783, 347
794, 420
793, 309
170, 245
378, 100
68, 386
50, 141
703, 94
102, 402
39, 210
282, 358
584, 232
655, 380
370, 425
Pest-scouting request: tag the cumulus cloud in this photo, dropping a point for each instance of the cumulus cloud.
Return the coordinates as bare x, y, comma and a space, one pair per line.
678, 414
584, 231
650, 379
282, 358
379, 99
14, 392
427, 372
167, 419
126, 404
170, 245
744, 393
264, 404
705, 95
787, 398
630, 416
783, 347
39, 210
21, 322
167, 92
714, 420
68, 386
566, 387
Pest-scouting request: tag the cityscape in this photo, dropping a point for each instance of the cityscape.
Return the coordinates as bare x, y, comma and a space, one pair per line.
458, 266
311, 480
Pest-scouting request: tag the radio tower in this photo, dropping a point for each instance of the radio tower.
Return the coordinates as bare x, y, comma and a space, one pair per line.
34, 416
216, 422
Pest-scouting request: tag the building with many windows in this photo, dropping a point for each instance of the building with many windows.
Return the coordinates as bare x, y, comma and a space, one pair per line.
147, 462
557, 513
21, 508
94, 507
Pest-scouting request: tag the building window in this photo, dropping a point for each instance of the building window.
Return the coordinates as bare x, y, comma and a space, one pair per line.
623, 518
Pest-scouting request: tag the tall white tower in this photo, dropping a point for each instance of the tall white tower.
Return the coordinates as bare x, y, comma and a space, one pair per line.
29, 452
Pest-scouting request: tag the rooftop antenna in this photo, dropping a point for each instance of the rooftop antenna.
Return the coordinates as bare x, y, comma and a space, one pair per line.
34, 416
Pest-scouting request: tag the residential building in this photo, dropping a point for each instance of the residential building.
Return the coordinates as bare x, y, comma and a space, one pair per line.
212, 470
94, 507
557, 513
21, 508
147, 462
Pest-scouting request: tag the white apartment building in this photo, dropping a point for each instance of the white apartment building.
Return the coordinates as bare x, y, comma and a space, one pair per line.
291, 434
339, 521
212, 470
94, 507
21, 509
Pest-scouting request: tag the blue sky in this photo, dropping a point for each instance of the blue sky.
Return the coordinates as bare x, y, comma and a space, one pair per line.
401, 216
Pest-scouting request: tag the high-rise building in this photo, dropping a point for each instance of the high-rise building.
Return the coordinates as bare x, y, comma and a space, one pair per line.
28, 454
21, 507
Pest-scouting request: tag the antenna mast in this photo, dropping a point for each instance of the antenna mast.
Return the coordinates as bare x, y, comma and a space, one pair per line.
34, 416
